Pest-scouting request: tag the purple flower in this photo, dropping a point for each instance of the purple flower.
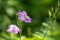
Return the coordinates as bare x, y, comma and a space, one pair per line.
22, 16
13, 29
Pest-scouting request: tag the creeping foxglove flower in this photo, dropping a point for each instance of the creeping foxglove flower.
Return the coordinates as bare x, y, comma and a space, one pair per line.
22, 16
13, 29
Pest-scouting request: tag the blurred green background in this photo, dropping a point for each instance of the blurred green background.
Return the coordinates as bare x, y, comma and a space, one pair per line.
45, 15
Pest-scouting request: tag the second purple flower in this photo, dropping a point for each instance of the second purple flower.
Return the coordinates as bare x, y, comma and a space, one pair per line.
13, 29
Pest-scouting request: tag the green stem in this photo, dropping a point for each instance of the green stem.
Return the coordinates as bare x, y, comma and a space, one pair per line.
20, 26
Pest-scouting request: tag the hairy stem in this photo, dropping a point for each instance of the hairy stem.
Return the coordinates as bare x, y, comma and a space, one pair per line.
20, 26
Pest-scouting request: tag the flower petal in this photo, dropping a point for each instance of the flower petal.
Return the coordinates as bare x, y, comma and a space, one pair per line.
27, 19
